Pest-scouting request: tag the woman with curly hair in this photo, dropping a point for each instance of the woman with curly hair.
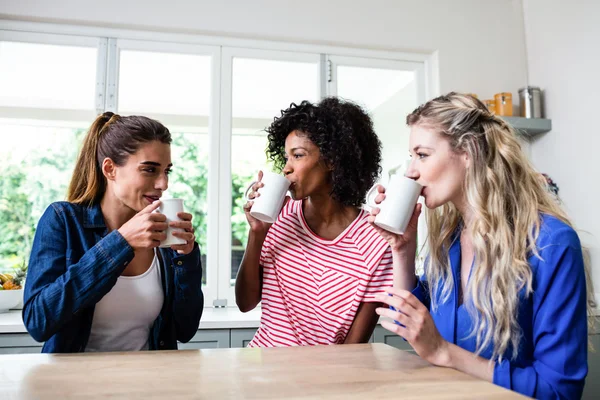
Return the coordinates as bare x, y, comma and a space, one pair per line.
318, 268
504, 295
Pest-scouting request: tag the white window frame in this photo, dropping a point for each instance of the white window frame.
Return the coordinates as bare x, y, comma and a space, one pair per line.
55, 114
411, 66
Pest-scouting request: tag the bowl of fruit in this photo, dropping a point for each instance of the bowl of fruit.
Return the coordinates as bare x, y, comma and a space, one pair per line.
11, 289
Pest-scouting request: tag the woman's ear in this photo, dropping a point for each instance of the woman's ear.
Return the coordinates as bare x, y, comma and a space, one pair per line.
109, 169
466, 160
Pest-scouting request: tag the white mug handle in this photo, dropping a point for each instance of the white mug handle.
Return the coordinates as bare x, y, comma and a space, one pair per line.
371, 201
247, 190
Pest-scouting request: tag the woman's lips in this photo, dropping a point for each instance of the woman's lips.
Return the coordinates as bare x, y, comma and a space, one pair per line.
152, 199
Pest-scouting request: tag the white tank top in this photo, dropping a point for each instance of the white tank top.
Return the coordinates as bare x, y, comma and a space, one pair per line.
124, 316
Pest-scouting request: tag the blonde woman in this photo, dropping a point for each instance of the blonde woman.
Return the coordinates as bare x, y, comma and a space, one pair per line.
503, 296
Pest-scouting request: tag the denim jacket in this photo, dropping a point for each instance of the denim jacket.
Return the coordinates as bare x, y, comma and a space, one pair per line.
75, 261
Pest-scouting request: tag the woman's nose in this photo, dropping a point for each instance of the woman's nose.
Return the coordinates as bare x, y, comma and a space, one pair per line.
162, 183
411, 170
287, 168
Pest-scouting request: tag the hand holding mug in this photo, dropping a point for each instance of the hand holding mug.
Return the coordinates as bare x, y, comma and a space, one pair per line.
146, 229
397, 241
183, 230
256, 225
395, 211
179, 233
265, 200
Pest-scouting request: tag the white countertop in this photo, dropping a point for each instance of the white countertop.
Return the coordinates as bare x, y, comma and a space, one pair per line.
212, 318
12, 322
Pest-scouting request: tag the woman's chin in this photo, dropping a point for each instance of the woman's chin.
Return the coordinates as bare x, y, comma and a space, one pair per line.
294, 195
430, 203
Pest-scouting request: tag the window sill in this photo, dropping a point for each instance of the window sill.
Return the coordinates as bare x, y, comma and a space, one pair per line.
212, 318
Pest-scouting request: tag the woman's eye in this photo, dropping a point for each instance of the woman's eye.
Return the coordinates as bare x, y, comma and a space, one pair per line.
168, 172
149, 170
298, 155
421, 155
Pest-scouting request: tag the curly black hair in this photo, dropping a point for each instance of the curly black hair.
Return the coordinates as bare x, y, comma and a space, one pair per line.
344, 134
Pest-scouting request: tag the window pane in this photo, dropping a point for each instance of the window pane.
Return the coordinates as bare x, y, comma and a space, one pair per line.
388, 95
189, 181
261, 89
176, 90
47, 76
37, 163
164, 83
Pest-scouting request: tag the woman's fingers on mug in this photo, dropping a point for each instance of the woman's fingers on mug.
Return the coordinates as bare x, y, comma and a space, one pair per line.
187, 225
158, 226
414, 219
150, 207
187, 236
184, 216
158, 236
248, 206
255, 188
379, 198
253, 194
157, 217
380, 189
385, 234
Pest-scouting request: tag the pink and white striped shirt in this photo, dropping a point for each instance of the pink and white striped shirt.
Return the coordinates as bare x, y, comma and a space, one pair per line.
312, 287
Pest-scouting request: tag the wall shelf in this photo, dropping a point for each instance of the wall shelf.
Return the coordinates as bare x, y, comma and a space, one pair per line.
530, 127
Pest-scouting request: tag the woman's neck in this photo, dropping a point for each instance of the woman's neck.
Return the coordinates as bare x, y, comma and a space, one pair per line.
327, 217
115, 212
465, 211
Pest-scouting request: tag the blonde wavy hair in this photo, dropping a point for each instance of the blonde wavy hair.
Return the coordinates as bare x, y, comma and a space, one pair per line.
507, 196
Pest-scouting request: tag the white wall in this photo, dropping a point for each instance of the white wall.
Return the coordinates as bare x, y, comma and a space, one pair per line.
480, 42
564, 59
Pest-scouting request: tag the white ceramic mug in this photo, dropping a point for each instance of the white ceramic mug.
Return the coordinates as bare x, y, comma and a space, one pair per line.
267, 206
401, 195
170, 208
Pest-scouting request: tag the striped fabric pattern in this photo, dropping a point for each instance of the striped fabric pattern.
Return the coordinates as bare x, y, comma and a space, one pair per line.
312, 287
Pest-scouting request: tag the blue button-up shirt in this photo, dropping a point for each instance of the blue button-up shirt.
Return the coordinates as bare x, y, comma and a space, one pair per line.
552, 358
75, 261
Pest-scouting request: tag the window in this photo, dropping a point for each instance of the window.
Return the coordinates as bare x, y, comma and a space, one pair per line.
47, 100
216, 100
262, 84
388, 90
173, 84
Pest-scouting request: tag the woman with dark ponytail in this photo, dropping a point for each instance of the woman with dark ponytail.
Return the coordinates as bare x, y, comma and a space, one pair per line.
97, 280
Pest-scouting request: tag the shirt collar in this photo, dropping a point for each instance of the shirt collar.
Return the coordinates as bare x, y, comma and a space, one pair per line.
92, 217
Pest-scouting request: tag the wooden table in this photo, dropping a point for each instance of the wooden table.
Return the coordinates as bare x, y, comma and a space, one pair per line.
362, 371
